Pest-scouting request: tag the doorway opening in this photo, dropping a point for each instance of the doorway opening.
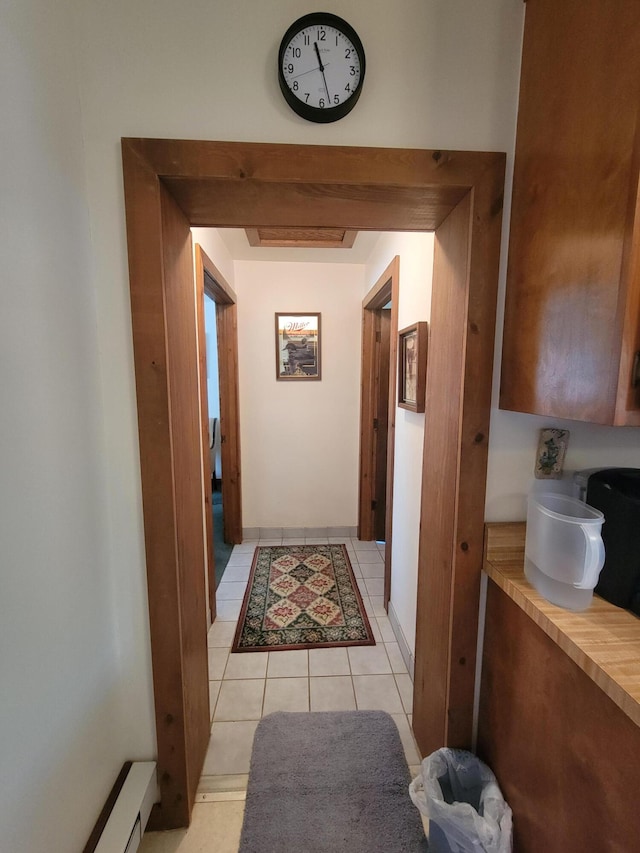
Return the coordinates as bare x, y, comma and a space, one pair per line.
220, 439
221, 547
171, 185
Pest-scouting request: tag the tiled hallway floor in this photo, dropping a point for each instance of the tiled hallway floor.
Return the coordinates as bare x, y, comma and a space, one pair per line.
244, 687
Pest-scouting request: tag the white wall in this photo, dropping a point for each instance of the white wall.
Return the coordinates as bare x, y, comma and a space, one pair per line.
416, 272
452, 83
64, 672
512, 452
213, 245
299, 440
440, 73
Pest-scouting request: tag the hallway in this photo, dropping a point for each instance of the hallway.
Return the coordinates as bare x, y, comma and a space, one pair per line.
245, 687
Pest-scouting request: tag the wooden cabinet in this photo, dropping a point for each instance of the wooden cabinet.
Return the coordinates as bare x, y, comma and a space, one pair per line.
559, 710
572, 315
564, 753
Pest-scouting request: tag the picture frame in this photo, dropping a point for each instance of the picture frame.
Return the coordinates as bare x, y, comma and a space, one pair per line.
412, 366
552, 447
298, 346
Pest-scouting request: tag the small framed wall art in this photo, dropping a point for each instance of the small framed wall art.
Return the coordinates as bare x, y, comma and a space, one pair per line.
412, 366
298, 346
552, 446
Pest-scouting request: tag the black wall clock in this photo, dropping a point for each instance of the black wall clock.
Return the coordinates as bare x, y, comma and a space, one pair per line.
321, 67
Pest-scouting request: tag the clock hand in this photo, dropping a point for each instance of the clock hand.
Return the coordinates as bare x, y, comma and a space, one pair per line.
302, 73
315, 44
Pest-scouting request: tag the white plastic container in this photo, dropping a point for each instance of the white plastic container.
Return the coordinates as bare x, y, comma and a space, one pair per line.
564, 552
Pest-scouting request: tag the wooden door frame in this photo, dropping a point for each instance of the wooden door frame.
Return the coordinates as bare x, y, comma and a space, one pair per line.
210, 281
456, 194
386, 288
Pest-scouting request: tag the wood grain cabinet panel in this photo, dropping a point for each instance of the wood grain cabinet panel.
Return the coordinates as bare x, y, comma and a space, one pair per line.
572, 315
565, 755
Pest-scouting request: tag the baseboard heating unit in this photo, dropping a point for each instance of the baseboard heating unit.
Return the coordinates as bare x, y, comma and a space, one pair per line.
124, 817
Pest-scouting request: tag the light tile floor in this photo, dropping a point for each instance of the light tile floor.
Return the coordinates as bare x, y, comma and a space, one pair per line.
245, 687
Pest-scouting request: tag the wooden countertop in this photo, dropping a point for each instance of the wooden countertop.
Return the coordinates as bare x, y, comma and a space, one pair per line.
604, 640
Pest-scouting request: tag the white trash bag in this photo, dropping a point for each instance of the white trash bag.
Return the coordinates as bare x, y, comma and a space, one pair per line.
466, 810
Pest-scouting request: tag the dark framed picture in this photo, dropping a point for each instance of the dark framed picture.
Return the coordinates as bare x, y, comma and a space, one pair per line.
298, 346
412, 366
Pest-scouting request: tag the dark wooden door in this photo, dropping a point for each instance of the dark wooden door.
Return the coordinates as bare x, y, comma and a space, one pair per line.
383, 347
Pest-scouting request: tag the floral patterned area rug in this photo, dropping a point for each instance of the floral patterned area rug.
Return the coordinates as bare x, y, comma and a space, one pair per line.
301, 597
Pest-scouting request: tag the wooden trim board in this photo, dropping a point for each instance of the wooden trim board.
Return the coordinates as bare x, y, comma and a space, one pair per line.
457, 194
110, 802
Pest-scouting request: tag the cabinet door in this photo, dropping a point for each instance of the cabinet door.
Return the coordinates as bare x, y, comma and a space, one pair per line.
565, 755
628, 400
572, 293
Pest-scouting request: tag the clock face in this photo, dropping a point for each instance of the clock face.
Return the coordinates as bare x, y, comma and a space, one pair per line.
321, 67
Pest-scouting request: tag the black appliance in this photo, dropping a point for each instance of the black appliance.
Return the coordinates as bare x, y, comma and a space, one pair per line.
616, 492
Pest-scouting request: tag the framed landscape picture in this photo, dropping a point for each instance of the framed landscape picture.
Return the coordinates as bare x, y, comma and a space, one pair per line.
412, 367
298, 346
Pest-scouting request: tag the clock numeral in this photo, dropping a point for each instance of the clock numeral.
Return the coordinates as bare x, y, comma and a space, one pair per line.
347, 88
322, 35
306, 97
321, 102
336, 99
353, 70
290, 68
307, 40
347, 53
297, 53
295, 86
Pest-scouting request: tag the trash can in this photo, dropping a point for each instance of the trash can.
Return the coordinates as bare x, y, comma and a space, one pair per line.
461, 797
